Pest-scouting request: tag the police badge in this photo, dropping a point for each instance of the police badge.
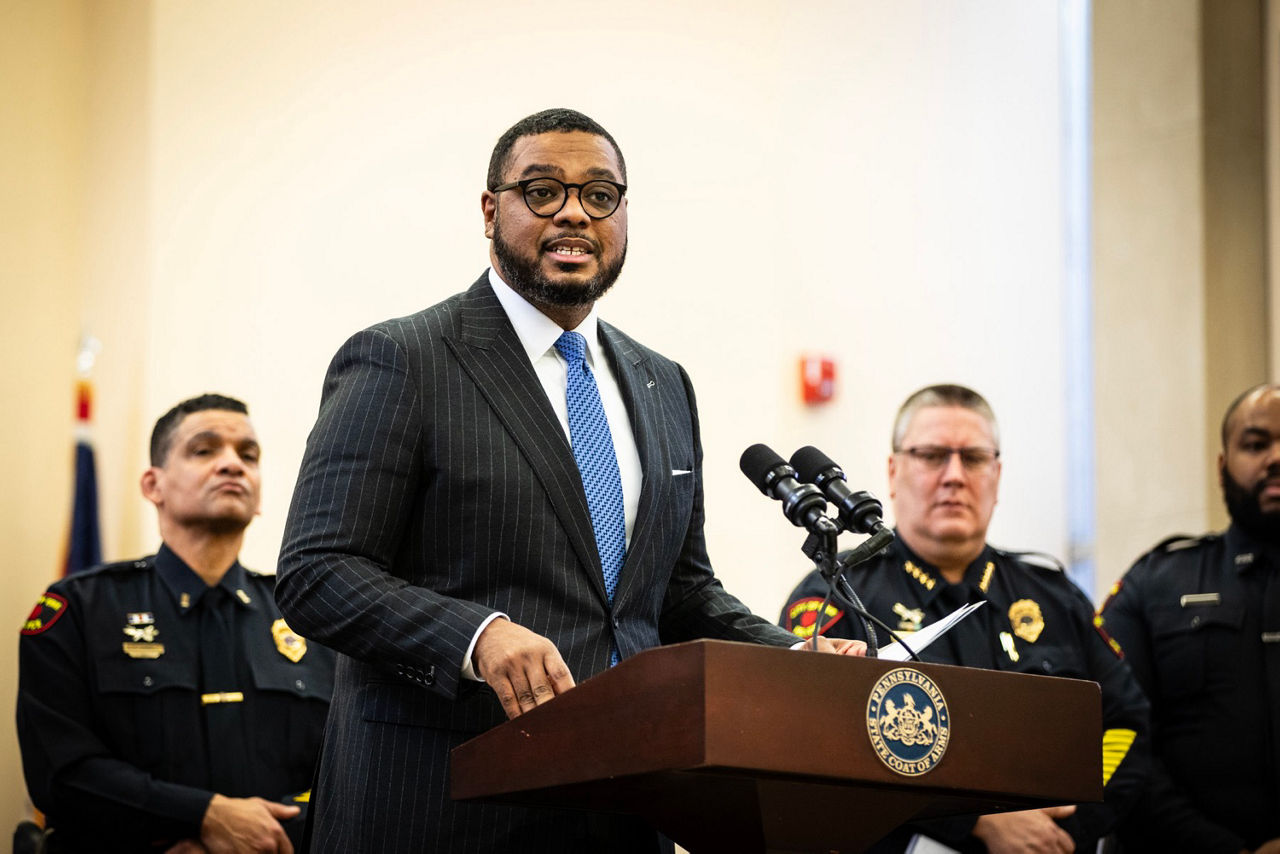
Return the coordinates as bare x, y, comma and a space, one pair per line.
289, 644
1026, 619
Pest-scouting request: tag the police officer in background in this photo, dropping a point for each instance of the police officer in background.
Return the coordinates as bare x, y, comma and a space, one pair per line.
163, 703
1199, 621
944, 474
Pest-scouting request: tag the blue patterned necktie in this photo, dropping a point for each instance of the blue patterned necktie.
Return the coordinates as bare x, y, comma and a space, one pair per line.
597, 462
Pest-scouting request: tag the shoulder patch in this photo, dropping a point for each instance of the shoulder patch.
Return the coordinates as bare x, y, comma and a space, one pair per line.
802, 616
48, 610
1111, 642
1111, 594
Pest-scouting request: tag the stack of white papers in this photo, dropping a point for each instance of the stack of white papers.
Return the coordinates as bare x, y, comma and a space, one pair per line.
930, 633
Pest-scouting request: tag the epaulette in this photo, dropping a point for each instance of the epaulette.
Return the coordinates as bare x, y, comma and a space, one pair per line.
1181, 542
1040, 560
104, 568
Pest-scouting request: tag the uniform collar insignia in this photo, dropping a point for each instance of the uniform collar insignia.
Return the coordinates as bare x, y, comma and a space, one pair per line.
925, 578
1248, 553
928, 576
987, 572
187, 588
919, 570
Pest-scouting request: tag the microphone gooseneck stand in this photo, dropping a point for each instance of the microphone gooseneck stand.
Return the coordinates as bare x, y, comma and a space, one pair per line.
821, 549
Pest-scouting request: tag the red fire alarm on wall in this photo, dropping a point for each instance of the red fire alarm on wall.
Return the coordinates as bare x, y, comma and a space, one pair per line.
817, 379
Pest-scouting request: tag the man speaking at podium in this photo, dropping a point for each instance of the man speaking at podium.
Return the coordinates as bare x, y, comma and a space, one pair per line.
944, 474
501, 494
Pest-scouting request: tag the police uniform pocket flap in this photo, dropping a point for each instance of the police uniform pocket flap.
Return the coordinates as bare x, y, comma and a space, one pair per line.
1172, 621
144, 675
1182, 635
304, 679
1049, 660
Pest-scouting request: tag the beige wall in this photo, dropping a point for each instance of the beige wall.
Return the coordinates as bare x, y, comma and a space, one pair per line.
1179, 258
42, 173
118, 273
1271, 134
315, 172
1148, 275
1235, 220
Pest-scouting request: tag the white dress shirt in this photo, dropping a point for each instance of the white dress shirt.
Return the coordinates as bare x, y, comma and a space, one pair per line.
538, 334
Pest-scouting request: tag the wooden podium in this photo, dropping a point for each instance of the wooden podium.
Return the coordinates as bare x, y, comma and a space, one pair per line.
730, 747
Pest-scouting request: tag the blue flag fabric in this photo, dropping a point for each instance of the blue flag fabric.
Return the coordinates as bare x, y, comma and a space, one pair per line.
84, 546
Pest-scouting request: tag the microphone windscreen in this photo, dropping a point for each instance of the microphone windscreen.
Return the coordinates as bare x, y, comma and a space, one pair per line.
809, 462
756, 463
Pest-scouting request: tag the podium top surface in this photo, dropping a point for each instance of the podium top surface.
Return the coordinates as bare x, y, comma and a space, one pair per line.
723, 708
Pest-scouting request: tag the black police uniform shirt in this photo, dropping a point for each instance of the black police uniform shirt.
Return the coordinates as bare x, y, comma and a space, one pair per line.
143, 691
1035, 620
1199, 622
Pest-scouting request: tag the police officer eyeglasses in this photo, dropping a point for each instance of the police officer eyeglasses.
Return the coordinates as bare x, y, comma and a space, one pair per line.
548, 196
937, 457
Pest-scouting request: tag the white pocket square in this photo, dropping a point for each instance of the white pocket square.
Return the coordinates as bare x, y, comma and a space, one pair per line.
677, 472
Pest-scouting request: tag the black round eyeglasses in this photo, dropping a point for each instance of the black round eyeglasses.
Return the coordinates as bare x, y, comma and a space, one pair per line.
548, 196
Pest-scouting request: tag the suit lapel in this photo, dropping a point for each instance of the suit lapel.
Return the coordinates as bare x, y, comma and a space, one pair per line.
636, 382
490, 352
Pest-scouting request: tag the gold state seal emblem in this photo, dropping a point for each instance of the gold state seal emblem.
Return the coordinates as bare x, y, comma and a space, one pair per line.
908, 722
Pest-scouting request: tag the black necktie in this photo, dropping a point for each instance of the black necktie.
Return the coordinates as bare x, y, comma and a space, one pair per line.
222, 696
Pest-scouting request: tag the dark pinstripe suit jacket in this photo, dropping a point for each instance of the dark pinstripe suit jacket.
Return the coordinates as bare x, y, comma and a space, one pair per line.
437, 487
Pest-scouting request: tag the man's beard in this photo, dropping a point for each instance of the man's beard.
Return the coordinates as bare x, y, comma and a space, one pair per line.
1245, 509
525, 277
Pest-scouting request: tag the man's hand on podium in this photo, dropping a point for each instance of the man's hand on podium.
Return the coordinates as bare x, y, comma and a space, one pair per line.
523, 668
838, 646
1025, 831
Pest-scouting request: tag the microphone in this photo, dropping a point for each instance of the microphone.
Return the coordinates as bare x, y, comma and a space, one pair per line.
802, 503
859, 511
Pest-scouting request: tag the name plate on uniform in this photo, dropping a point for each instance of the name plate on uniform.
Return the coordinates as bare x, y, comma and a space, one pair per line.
143, 650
